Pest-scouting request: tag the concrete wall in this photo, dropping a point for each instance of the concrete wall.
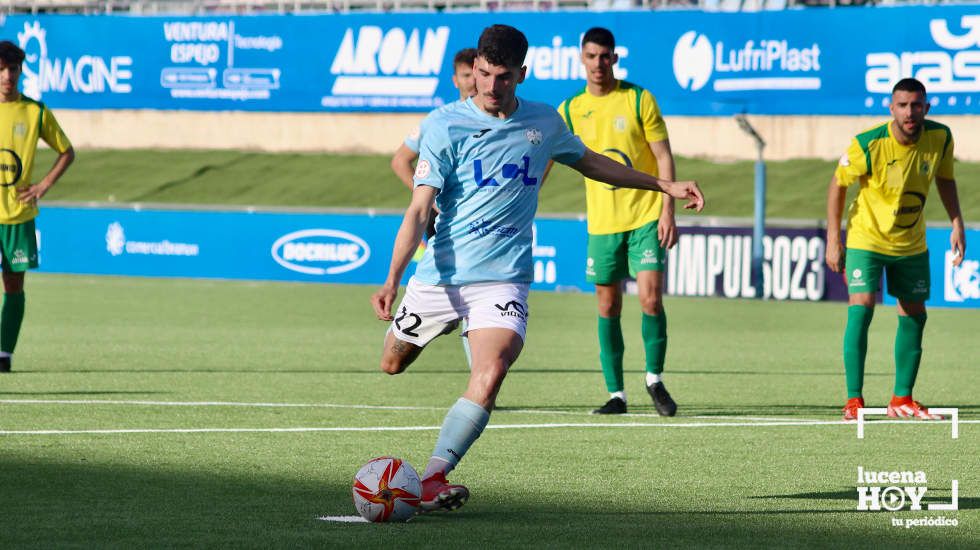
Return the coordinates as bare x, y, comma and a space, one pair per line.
710, 137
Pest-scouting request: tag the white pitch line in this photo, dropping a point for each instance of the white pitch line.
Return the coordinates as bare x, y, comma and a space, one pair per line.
435, 428
210, 404
344, 406
344, 519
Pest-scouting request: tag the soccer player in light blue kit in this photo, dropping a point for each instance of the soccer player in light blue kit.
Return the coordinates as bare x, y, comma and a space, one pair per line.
481, 162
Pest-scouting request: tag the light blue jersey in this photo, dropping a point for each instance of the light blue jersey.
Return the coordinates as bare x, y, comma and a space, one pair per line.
413, 140
488, 171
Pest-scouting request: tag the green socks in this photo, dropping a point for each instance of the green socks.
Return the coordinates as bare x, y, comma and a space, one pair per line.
654, 330
611, 352
11, 316
908, 352
856, 347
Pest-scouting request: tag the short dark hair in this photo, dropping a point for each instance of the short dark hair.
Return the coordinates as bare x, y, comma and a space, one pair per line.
909, 85
11, 54
465, 57
600, 36
502, 45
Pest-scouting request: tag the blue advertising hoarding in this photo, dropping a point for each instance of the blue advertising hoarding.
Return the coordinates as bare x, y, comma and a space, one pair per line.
813, 62
356, 249
325, 248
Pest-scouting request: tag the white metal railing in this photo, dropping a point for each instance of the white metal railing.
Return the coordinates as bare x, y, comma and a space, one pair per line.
199, 7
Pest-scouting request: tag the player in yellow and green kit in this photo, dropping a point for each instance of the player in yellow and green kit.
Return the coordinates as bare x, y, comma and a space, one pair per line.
22, 122
894, 163
629, 230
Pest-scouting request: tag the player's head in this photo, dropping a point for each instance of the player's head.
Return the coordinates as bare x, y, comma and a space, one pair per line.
11, 61
599, 55
499, 66
909, 106
463, 72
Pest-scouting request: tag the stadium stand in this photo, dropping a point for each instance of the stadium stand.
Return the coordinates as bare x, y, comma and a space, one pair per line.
203, 7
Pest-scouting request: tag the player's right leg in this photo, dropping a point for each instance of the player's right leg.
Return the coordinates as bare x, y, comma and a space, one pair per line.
863, 274
606, 267
426, 312
496, 326
18, 247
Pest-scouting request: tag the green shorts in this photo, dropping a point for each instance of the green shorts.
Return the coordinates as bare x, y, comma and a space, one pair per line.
18, 246
907, 276
615, 256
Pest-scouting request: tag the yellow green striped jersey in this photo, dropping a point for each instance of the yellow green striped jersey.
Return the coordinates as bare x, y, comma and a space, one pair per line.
22, 123
886, 216
620, 125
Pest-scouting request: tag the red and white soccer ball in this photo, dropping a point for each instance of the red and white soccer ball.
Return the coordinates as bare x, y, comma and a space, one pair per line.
387, 489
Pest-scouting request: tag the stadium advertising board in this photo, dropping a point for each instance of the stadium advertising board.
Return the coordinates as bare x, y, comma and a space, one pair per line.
356, 248
717, 261
329, 248
770, 62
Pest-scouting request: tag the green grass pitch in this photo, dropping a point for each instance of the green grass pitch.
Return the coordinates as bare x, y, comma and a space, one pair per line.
754, 459
796, 189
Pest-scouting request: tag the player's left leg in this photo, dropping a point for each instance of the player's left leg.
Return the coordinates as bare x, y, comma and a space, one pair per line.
908, 281
647, 259
496, 328
19, 250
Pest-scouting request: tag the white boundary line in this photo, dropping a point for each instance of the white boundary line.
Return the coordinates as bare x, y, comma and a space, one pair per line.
367, 407
868, 411
436, 428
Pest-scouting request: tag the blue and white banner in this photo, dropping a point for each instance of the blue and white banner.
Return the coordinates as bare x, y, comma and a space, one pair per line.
326, 248
770, 62
356, 248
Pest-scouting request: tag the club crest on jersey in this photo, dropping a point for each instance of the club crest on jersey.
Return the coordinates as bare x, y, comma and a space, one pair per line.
20, 129
619, 124
533, 136
423, 169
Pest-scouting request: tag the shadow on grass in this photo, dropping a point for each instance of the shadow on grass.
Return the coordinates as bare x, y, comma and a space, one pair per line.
167, 502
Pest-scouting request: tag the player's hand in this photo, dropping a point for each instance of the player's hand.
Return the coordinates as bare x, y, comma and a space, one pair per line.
33, 193
383, 300
835, 256
689, 191
957, 243
667, 228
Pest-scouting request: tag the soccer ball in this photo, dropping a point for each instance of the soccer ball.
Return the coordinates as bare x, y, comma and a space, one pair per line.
387, 489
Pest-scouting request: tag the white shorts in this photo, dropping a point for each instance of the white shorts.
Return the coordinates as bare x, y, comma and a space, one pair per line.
428, 311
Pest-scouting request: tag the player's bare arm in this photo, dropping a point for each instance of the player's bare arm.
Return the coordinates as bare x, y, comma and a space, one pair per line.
406, 242
35, 192
835, 207
951, 202
403, 164
599, 167
666, 226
